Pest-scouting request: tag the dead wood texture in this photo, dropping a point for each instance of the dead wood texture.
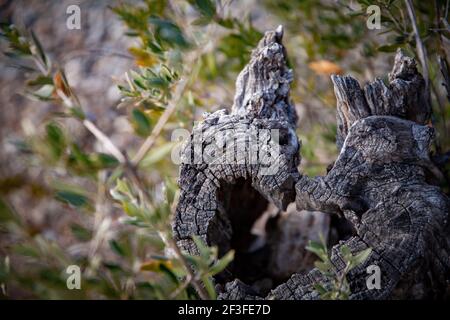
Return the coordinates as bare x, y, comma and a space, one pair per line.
379, 182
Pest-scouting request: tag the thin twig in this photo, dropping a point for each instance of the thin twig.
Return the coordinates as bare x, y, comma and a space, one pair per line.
101, 137
421, 50
180, 289
170, 243
179, 91
342, 279
442, 60
396, 23
149, 142
131, 167
107, 143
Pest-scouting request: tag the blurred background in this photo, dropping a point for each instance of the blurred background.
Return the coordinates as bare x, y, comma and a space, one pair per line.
122, 69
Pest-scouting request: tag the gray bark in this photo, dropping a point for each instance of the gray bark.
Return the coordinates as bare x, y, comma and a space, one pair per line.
380, 182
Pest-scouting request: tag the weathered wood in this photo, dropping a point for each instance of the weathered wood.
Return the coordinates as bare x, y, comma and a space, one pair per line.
379, 181
403, 97
222, 196
288, 238
379, 184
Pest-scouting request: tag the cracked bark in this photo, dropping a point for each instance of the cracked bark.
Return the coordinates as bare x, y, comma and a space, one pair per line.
380, 182
223, 193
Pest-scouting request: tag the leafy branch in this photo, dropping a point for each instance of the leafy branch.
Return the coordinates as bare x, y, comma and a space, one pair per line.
338, 288
55, 87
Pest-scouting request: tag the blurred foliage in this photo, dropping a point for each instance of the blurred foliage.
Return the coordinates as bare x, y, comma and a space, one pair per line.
331, 32
147, 263
184, 52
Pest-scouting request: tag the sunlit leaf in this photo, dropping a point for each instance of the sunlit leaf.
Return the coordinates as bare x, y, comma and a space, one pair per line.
317, 248
222, 263
207, 281
325, 67
155, 265
361, 257
142, 57
157, 154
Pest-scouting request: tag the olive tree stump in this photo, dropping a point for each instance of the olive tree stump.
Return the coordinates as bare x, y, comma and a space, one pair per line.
381, 183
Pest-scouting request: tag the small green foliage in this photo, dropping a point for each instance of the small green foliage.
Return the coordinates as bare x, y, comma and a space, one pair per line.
55, 139
141, 123
149, 88
17, 43
337, 287
208, 264
81, 233
71, 197
206, 9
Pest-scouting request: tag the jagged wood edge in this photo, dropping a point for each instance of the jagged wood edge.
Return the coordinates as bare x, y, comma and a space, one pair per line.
379, 183
261, 102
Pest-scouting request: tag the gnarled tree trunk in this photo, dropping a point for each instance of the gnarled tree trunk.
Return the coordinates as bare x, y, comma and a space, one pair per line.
379, 183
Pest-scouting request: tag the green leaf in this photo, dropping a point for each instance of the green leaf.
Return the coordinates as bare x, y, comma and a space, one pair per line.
226, 23
388, 48
317, 248
140, 83
222, 263
320, 289
141, 123
81, 233
361, 257
103, 160
123, 186
195, 261
169, 33
72, 198
113, 267
323, 267
55, 139
133, 221
203, 249
157, 154
345, 251
40, 50
130, 209
6, 213
80, 161
207, 281
26, 250
40, 81
117, 248
18, 44
77, 112
172, 276
170, 189
206, 8
202, 21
